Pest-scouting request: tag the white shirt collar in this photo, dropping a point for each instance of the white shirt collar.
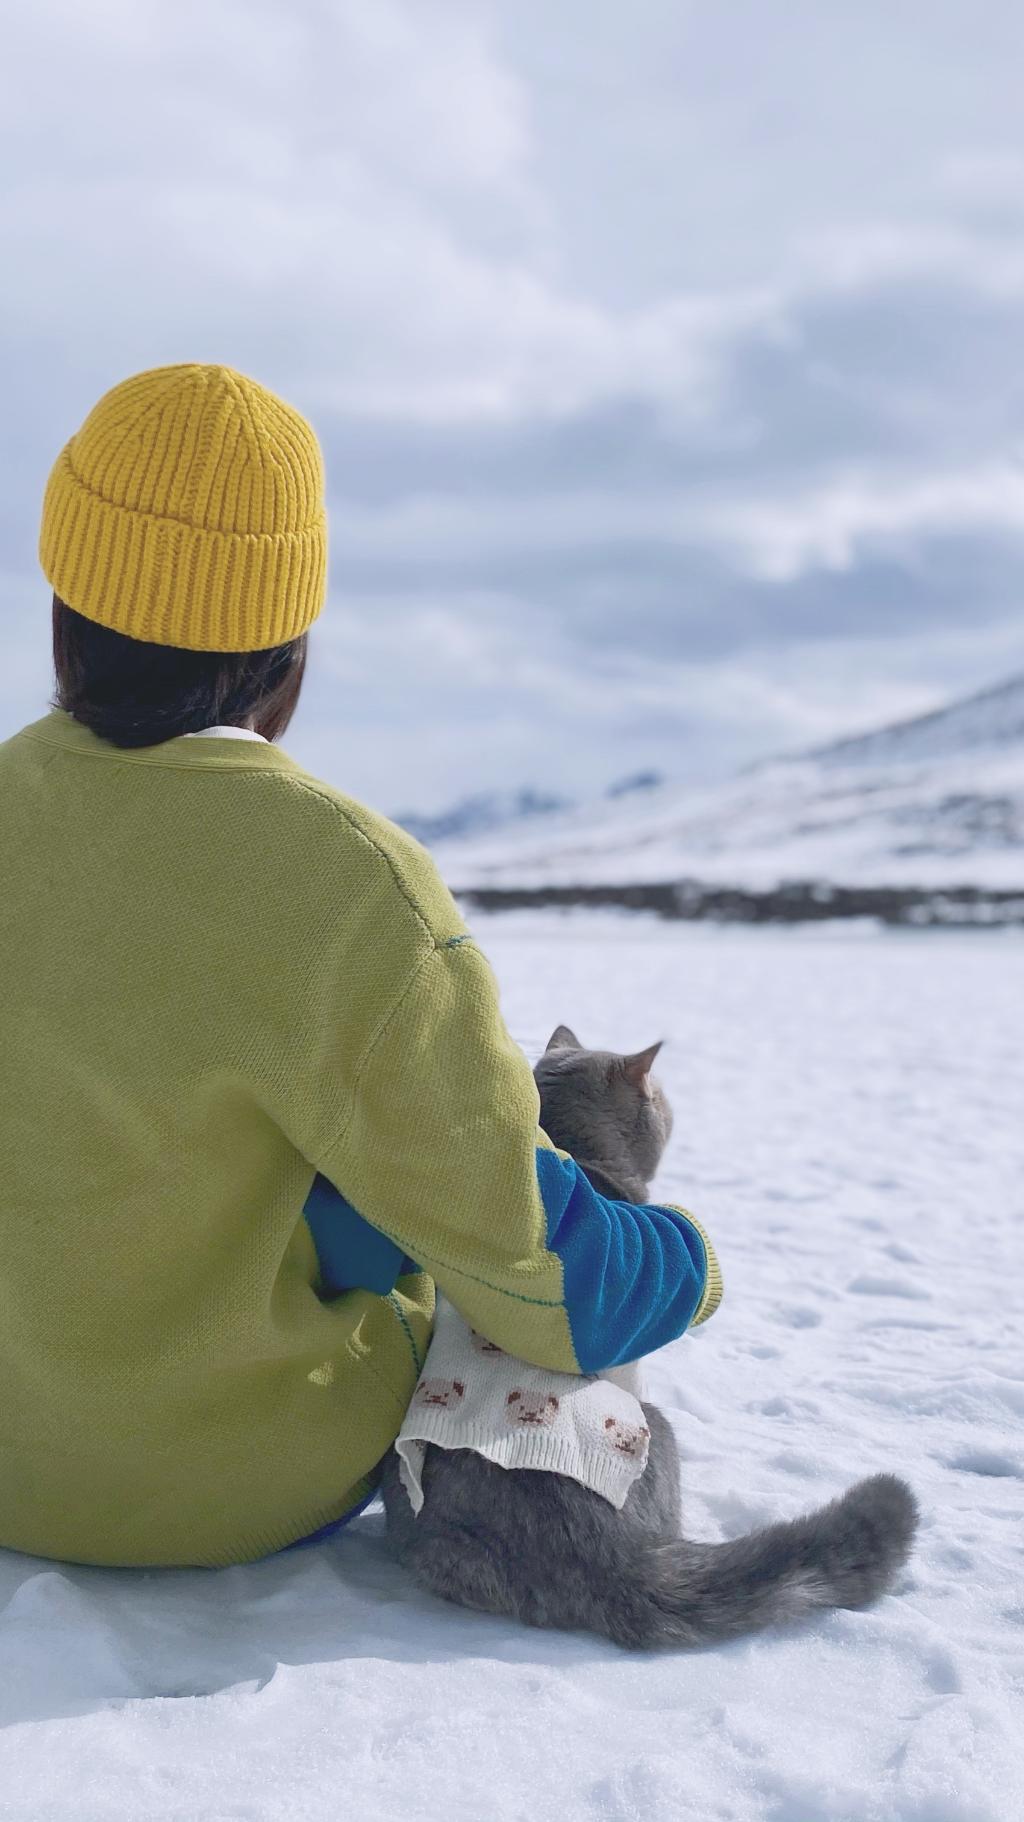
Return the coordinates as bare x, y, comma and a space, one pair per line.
226, 733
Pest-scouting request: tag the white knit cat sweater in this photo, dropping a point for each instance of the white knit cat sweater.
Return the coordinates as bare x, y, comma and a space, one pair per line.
472, 1395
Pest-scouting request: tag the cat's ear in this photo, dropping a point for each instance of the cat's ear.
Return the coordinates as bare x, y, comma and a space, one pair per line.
562, 1039
637, 1068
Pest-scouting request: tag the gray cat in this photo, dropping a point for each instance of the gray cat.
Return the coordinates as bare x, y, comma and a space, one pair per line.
547, 1551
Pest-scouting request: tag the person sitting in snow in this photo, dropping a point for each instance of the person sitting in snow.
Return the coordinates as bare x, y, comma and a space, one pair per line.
258, 1096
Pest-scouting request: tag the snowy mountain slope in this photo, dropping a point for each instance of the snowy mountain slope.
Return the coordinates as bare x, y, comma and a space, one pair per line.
991, 718
848, 1127
934, 802
485, 811
480, 814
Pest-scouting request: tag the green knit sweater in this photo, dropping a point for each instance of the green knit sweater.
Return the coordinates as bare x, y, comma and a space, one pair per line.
221, 977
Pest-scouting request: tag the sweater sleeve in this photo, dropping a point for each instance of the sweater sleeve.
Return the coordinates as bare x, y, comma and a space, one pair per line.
444, 1161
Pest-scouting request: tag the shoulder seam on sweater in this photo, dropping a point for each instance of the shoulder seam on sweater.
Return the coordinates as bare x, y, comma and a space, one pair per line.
315, 790
366, 1057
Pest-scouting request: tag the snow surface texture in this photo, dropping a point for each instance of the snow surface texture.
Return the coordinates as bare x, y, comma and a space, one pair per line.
938, 801
848, 1126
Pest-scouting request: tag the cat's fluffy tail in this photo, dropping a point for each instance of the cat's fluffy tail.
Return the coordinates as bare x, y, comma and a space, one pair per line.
844, 1555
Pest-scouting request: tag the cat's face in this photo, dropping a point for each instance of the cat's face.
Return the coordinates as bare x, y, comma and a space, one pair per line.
602, 1106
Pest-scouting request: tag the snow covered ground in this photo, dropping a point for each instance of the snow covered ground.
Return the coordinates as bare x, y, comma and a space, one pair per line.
849, 1128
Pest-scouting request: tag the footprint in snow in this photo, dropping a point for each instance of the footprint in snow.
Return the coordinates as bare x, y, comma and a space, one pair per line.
953, 1557
800, 1408
868, 1286
799, 1318
986, 1461
792, 1462
905, 1255
942, 1672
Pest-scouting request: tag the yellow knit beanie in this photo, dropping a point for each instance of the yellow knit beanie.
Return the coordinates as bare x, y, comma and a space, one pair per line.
189, 511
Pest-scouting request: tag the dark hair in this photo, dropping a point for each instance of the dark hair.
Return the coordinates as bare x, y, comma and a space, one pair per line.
136, 694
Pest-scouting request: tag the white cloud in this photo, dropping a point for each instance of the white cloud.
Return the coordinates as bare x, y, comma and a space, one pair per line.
827, 528
660, 331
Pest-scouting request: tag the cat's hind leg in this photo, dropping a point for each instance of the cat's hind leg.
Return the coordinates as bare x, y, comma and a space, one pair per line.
532, 1545
452, 1547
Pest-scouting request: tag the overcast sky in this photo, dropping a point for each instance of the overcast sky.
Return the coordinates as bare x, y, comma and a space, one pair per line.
667, 358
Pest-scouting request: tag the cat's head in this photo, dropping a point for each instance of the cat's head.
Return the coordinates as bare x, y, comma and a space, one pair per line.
602, 1106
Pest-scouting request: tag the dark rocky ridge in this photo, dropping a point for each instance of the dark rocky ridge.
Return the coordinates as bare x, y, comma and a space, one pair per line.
798, 901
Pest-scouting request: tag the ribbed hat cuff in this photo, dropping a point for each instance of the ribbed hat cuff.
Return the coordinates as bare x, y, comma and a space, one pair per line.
170, 583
